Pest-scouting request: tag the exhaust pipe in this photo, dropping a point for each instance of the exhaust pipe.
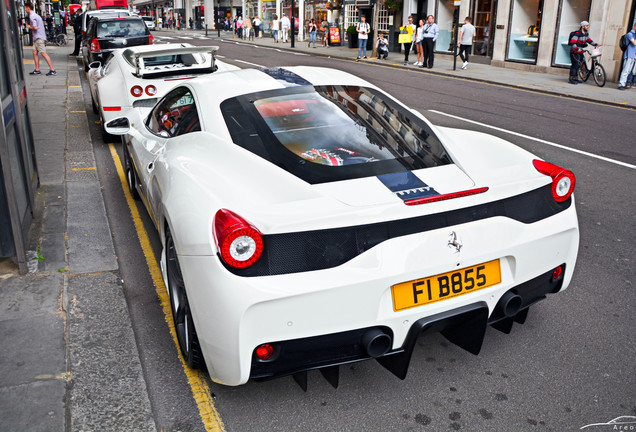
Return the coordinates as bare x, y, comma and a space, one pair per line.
376, 343
509, 304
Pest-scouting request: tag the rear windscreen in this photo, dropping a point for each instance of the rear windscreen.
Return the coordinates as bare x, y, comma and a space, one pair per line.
331, 133
121, 28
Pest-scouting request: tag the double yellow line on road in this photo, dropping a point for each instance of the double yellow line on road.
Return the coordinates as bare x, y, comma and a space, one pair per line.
200, 390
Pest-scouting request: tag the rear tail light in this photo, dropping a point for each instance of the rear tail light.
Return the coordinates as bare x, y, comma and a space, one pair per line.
151, 40
563, 180
240, 244
112, 108
95, 45
136, 91
151, 90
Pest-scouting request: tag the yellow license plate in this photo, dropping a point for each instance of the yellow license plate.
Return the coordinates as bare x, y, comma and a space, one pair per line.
446, 285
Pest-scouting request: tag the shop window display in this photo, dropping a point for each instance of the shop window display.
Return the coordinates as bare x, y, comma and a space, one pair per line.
571, 13
525, 28
444, 20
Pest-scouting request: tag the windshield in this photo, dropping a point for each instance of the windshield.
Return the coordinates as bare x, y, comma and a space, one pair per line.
330, 133
121, 28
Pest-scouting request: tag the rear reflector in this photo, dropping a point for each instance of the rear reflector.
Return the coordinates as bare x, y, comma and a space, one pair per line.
445, 197
113, 108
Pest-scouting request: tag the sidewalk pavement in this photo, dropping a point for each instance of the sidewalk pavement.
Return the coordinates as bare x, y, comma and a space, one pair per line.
555, 82
70, 361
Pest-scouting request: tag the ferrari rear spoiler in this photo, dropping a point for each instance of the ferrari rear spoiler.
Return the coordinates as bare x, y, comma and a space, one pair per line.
189, 64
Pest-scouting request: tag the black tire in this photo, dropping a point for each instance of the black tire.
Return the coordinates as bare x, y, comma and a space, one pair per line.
583, 72
181, 313
95, 109
61, 39
129, 171
599, 75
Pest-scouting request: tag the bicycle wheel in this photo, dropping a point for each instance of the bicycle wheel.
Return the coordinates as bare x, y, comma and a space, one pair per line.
583, 74
599, 75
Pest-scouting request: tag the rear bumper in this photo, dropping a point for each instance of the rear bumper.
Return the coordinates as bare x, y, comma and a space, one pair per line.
464, 326
335, 307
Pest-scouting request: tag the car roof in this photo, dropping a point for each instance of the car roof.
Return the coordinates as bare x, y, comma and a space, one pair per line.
126, 18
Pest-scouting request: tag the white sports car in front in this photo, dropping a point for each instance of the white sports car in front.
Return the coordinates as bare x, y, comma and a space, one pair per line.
138, 76
310, 220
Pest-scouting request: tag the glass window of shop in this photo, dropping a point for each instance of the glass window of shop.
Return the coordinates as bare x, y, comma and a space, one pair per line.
268, 10
571, 13
524, 29
445, 10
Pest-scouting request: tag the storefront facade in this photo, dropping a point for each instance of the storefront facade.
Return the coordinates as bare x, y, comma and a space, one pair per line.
530, 34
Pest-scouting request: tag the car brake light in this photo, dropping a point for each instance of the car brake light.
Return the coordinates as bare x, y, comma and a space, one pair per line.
113, 108
151, 40
151, 90
240, 244
265, 351
95, 45
563, 180
445, 197
136, 91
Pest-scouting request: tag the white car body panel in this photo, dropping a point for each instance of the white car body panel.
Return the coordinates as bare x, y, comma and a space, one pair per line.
186, 179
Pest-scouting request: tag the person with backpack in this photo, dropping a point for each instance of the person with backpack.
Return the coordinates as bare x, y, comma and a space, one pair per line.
363, 29
629, 57
578, 40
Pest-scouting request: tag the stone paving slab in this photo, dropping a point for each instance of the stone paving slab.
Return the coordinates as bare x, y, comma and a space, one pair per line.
109, 391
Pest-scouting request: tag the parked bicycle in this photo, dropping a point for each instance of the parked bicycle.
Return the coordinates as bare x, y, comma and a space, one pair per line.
595, 68
56, 37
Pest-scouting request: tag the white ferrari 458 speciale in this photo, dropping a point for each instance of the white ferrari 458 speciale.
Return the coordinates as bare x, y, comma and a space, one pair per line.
310, 220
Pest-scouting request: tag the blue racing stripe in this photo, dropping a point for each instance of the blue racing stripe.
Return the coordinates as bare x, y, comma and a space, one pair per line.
407, 186
286, 77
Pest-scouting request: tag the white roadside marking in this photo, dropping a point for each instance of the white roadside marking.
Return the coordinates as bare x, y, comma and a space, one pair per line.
185, 37
164, 37
592, 155
266, 48
248, 63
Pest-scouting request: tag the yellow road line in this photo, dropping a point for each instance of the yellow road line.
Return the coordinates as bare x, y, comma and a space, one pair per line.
200, 390
77, 111
84, 169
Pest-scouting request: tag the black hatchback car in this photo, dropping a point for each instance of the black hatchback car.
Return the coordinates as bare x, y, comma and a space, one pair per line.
104, 35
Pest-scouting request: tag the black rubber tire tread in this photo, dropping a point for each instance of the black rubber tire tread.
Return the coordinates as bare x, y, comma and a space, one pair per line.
182, 318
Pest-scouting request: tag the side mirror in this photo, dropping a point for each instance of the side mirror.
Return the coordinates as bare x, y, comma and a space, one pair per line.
118, 126
95, 65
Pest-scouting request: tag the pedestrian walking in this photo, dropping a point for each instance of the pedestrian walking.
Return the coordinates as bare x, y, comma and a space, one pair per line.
465, 42
429, 37
257, 27
362, 28
77, 31
39, 38
190, 22
383, 47
410, 28
578, 40
275, 27
324, 30
629, 58
247, 29
239, 27
284, 27
312, 29
419, 50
